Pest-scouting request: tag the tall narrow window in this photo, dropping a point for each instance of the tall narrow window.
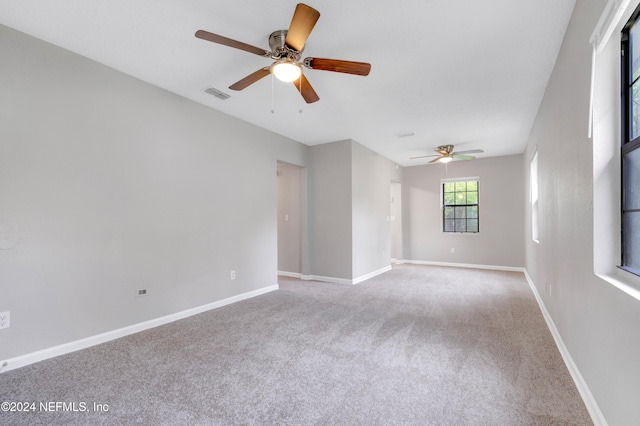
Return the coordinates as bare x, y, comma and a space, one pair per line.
533, 189
630, 152
460, 209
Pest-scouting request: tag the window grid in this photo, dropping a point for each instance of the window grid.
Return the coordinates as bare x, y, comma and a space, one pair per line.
460, 207
630, 153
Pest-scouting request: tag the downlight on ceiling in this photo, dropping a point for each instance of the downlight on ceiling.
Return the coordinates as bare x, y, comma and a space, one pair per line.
286, 70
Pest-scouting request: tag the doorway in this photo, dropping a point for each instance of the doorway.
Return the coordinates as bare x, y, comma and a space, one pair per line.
291, 219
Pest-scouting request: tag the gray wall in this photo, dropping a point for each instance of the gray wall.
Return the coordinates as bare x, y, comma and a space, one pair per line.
330, 223
597, 321
371, 180
500, 240
289, 218
396, 221
115, 185
349, 190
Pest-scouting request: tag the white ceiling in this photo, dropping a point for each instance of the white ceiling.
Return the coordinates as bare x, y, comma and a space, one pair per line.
469, 72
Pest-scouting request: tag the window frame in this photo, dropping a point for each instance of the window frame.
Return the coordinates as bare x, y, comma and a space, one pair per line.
627, 144
443, 205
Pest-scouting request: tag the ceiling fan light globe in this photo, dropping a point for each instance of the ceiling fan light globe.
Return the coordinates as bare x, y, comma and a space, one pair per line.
445, 159
286, 71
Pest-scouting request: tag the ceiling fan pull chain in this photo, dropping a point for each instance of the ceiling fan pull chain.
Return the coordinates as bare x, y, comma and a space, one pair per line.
300, 98
273, 110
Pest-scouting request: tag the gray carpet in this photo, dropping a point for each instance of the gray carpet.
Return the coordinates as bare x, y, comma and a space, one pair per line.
417, 345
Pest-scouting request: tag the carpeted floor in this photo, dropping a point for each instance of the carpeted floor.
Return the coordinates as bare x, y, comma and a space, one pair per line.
419, 345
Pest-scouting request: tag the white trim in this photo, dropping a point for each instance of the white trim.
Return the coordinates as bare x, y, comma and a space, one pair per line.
290, 274
326, 279
347, 281
607, 23
465, 265
371, 275
589, 401
623, 281
30, 358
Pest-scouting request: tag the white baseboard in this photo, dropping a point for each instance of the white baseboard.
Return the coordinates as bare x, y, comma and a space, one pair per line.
594, 411
326, 279
290, 274
23, 360
465, 265
347, 281
371, 275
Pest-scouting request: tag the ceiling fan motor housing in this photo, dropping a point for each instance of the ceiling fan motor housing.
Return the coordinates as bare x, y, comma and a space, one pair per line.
279, 49
276, 39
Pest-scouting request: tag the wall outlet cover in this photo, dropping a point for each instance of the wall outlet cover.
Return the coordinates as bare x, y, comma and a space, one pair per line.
5, 319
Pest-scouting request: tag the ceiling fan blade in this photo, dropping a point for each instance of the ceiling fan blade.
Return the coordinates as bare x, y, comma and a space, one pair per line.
470, 151
307, 92
337, 65
434, 160
462, 157
250, 79
205, 35
303, 21
423, 156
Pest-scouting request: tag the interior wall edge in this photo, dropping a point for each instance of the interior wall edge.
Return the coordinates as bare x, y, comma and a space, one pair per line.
336, 280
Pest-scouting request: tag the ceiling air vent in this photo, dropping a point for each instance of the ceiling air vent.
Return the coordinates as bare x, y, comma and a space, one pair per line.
217, 93
405, 134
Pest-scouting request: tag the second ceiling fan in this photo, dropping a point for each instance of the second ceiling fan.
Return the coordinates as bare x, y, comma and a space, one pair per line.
446, 154
286, 49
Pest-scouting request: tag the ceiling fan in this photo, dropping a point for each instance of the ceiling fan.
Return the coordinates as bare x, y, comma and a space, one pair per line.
446, 154
286, 49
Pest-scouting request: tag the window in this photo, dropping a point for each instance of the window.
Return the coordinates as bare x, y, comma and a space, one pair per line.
460, 206
533, 190
630, 152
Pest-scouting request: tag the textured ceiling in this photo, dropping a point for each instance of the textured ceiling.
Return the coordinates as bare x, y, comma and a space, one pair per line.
470, 72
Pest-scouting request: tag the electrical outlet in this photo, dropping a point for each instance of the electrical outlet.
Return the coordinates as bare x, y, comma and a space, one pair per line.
142, 292
232, 275
5, 319
453, 250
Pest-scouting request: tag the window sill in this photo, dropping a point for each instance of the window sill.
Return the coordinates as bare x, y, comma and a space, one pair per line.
623, 281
